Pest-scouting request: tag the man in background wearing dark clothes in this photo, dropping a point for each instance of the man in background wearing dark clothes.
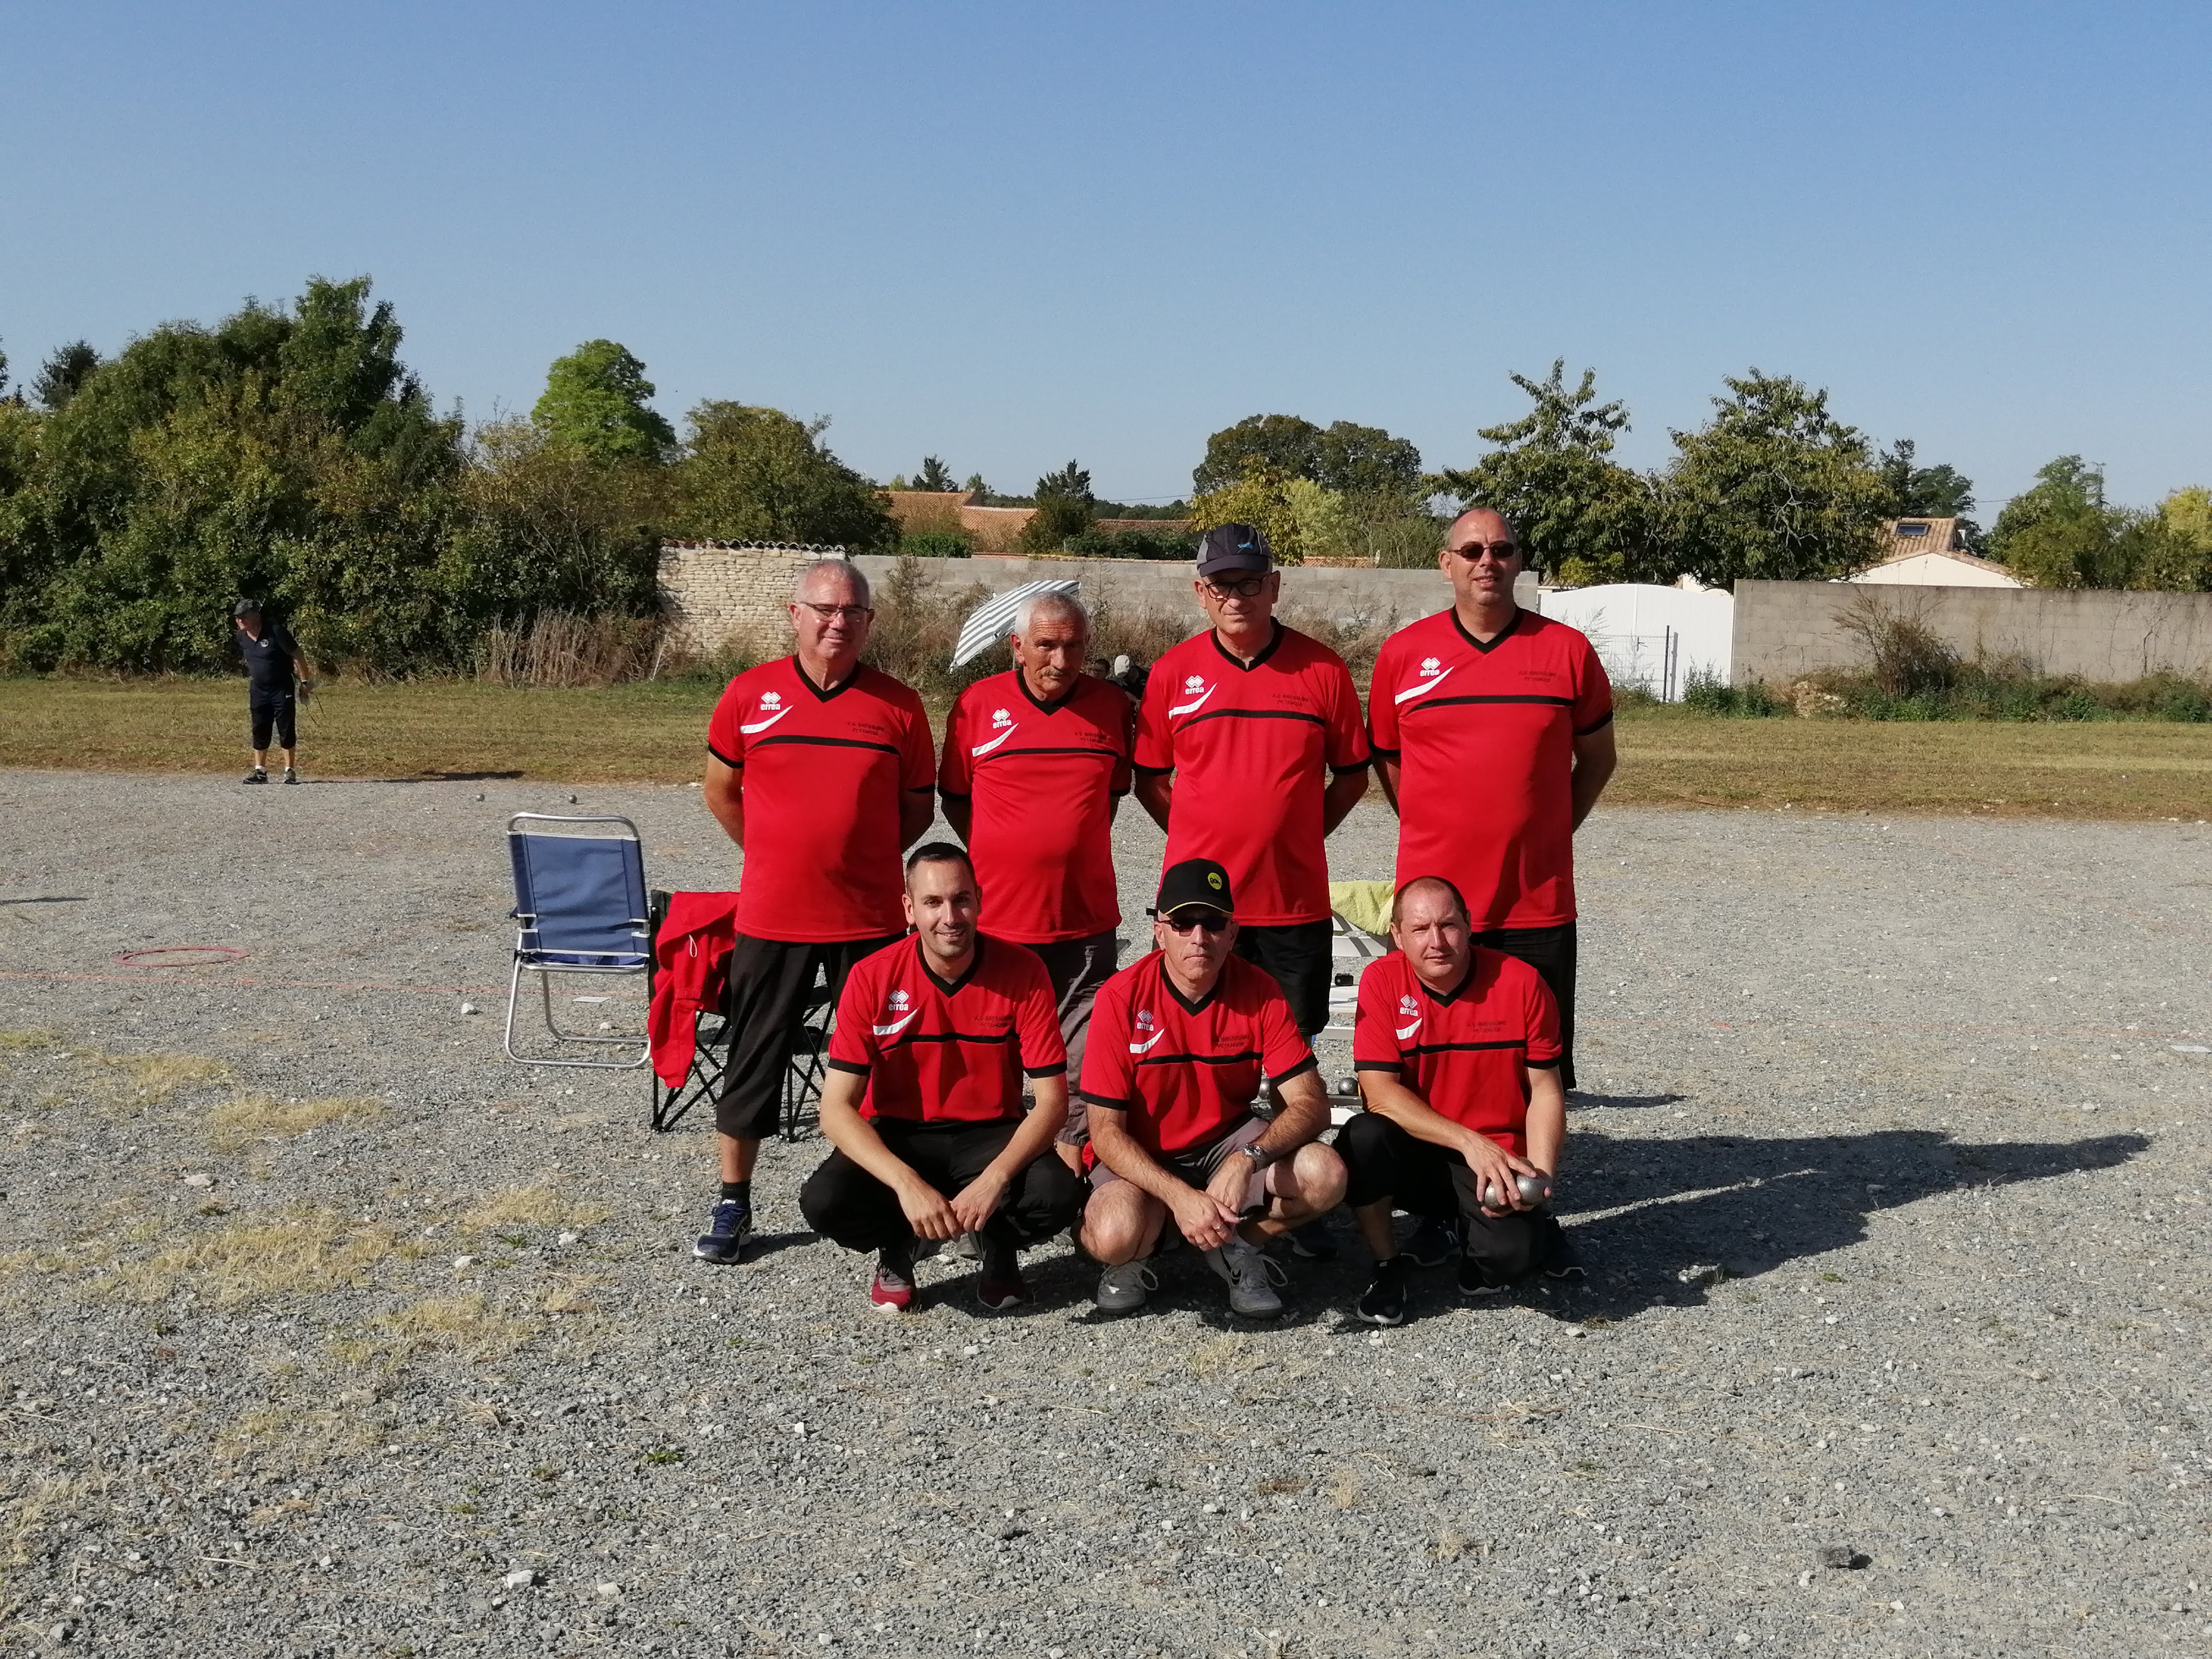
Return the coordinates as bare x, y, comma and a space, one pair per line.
271, 655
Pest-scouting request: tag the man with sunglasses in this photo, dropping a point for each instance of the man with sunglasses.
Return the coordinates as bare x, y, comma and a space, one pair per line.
821, 771
1179, 1042
1493, 732
1250, 750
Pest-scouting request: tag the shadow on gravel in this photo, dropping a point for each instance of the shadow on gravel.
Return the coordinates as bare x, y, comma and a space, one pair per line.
45, 901
453, 777
1579, 1101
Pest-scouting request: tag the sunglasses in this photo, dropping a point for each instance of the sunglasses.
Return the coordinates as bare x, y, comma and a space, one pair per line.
1245, 587
1189, 922
1499, 551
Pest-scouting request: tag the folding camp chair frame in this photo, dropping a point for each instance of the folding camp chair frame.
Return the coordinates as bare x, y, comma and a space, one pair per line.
526, 920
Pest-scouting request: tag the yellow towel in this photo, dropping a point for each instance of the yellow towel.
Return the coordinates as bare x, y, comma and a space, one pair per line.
1364, 904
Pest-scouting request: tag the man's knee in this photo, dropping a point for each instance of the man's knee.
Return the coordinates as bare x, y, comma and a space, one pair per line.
840, 1199
1047, 1199
1318, 1176
1116, 1222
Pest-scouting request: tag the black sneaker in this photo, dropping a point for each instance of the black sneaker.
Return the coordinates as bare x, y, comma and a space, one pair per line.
999, 1283
723, 1241
1474, 1285
258, 774
290, 776
1432, 1244
1383, 1301
1314, 1242
1565, 1267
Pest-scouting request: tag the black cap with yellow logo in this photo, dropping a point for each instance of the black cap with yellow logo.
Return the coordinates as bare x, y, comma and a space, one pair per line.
1195, 883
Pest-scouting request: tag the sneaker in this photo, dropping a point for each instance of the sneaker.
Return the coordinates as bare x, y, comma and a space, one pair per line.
290, 776
1432, 1244
1125, 1287
1565, 1268
725, 1235
999, 1283
1314, 1242
1383, 1302
893, 1290
1252, 1274
257, 775
1474, 1285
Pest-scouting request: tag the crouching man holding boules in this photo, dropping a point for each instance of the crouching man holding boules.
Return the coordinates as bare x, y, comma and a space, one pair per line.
1457, 1050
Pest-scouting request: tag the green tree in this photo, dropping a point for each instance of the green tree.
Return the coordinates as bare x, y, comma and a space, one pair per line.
2069, 488
1365, 463
1064, 507
1928, 492
1774, 487
1282, 445
754, 474
595, 400
64, 374
1585, 518
1278, 507
933, 475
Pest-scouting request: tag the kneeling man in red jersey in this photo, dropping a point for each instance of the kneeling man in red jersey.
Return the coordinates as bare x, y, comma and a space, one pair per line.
1179, 1042
922, 1098
1457, 1049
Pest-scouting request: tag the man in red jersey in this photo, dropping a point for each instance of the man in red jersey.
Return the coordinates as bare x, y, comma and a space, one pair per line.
821, 771
1035, 763
1239, 726
1179, 1042
1458, 1049
923, 1099
1493, 729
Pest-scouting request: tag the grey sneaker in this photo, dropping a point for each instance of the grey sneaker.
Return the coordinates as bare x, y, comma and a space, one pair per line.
1252, 1274
1125, 1287
257, 775
290, 776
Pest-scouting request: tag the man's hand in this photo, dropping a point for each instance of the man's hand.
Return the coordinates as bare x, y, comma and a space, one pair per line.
1202, 1218
979, 1201
1494, 1166
926, 1212
1231, 1181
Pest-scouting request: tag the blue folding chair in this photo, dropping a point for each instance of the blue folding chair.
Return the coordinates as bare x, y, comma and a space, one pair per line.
580, 907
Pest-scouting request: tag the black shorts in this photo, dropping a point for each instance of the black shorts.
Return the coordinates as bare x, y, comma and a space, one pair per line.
1381, 1160
842, 1202
1077, 967
1551, 952
277, 715
1299, 956
771, 983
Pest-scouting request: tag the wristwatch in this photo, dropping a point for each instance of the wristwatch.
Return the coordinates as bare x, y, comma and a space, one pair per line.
1261, 1160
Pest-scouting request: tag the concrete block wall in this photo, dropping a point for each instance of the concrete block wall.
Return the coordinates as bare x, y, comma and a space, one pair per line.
713, 592
1784, 630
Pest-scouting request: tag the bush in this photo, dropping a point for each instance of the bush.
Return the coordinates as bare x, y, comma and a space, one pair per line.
1160, 546
936, 544
1709, 693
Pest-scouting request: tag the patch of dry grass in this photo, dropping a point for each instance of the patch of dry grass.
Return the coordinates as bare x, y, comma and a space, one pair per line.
468, 1325
302, 1253
32, 1510
248, 1118
521, 1207
293, 1435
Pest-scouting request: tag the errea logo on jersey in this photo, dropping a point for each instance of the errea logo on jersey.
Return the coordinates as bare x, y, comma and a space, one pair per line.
1002, 717
771, 711
1197, 691
1195, 683
771, 700
1431, 666
1145, 1030
1410, 1011
899, 1009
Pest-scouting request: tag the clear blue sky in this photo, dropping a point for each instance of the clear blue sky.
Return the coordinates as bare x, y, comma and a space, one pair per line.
1008, 234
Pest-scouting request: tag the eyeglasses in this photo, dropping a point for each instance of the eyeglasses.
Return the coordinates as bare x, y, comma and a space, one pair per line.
1499, 550
838, 612
1188, 921
1245, 587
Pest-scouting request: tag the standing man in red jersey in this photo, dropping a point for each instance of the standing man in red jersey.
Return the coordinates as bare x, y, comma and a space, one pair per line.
923, 1101
1493, 729
1458, 1049
1250, 750
1035, 763
820, 771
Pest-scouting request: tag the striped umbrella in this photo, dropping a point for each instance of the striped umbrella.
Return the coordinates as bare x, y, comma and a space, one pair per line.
993, 619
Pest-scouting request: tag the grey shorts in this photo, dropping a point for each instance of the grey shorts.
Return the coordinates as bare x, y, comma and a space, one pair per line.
1196, 1165
1077, 967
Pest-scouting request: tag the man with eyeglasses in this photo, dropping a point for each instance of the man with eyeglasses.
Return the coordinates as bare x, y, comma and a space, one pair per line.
1035, 763
821, 771
1179, 1043
1250, 750
1493, 732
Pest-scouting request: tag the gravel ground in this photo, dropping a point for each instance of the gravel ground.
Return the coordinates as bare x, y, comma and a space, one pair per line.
327, 1332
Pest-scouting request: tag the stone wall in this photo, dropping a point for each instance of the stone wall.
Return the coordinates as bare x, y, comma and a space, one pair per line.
1787, 629
713, 592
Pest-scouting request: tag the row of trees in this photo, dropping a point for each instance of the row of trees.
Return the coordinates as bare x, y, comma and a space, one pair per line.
287, 453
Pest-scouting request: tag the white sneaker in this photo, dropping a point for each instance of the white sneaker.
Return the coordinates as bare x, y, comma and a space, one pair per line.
1252, 1274
1121, 1289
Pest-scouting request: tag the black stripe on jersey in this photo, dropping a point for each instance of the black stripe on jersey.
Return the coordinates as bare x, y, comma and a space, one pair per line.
1389, 1065
1452, 1048
1309, 1064
1378, 751
735, 765
1064, 749
950, 1037
1544, 1065
1060, 1070
1439, 703
1596, 725
1252, 714
1150, 771
1104, 1103
830, 743
853, 1067
1197, 1060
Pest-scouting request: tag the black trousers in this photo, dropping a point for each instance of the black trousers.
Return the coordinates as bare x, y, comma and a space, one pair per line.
273, 713
1381, 1160
842, 1202
1551, 952
1299, 956
771, 980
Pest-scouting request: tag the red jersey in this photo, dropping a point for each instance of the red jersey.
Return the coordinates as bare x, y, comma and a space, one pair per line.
939, 1051
1040, 778
823, 773
1484, 738
1469, 1054
1186, 1073
1247, 745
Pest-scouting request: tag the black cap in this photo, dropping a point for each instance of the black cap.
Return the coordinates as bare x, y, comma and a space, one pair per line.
1194, 882
246, 608
1227, 547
